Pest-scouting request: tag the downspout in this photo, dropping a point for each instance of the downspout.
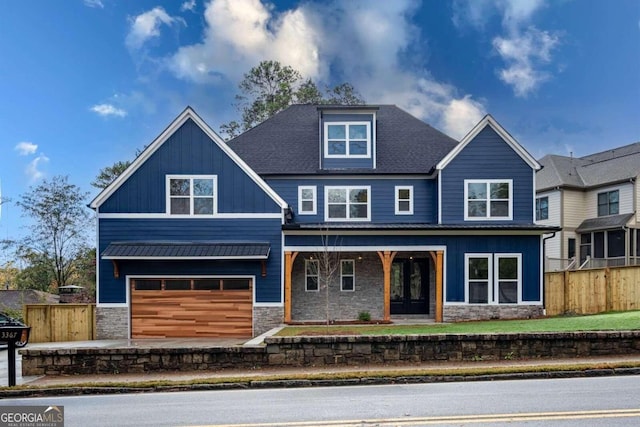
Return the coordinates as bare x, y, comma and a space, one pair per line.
544, 264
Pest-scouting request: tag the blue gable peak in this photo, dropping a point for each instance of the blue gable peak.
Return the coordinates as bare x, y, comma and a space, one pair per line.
488, 120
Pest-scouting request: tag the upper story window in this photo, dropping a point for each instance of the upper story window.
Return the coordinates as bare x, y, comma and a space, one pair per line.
351, 203
404, 200
490, 199
542, 208
347, 139
191, 194
307, 200
608, 203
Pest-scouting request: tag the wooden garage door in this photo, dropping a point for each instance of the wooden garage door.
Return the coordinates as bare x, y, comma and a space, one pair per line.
191, 308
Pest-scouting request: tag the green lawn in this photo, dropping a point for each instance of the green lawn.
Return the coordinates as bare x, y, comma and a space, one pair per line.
621, 321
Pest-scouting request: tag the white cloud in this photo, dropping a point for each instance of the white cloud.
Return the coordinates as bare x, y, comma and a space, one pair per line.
26, 148
312, 38
33, 169
524, 55
147, 25
524, 48
106, 110
94, 3
188, 5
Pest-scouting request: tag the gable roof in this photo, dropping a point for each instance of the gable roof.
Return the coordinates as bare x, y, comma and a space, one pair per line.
606, 167
488, 120
187, 114
289, 142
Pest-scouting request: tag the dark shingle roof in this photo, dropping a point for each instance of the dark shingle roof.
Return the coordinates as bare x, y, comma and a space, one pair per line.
604, 223
288, 143
594, 170
186, 250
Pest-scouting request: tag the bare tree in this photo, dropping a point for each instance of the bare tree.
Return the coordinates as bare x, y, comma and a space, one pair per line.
328, 269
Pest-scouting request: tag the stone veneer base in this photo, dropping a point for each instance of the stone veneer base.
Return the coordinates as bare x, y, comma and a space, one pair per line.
331, 351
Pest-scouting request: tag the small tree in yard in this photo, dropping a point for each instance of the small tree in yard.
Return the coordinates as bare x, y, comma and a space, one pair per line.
59, 230
328, 268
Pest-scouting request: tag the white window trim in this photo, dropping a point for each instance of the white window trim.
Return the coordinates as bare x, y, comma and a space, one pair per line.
398, 200
538, 208
306, 276
314, 199
493, 284
191, 178
346, 155
353, 275
487, 217
347, 188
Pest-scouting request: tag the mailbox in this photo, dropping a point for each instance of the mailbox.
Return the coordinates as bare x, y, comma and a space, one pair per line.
18, 335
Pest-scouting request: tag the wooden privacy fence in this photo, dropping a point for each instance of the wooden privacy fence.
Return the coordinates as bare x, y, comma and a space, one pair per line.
592, 291
60, 322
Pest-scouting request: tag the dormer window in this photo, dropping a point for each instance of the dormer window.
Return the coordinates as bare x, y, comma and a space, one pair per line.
347, 139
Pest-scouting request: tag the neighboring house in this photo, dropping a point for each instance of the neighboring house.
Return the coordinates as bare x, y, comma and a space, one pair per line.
595, 200
14, 300
199, 237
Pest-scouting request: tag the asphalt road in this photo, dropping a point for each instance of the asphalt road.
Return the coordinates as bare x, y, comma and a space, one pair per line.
598, 401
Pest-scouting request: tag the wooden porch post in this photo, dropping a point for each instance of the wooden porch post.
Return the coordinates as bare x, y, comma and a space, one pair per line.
387, 258
439, 302
289, 257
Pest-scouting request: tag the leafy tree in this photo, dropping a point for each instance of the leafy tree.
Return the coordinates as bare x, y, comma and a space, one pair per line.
37, 274
58, 230
8, 275
108, 174
270, 87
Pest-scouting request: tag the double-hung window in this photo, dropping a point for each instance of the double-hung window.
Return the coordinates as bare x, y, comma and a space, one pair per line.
488, 199
493, 278
311, 277
608, 203
347, 139
350, 203
404, 200
191, 194
542, 208
307, 200
347, 275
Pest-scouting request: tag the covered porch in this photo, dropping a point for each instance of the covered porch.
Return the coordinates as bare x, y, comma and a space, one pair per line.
340, 283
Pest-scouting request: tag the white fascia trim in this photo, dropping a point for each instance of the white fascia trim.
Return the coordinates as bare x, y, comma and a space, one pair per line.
440, 198
488, 120
374, 141
347, 176
418, 232
421, 248
247, 215
188, 113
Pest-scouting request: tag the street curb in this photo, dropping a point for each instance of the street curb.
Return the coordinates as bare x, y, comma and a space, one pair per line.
78, 390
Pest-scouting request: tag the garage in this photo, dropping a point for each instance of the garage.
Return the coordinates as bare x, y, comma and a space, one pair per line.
191, 307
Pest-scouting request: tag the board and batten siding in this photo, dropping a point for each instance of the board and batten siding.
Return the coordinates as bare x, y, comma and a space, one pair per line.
382, 198
267, 289
189, 151
487, 156
456, 248
625, 199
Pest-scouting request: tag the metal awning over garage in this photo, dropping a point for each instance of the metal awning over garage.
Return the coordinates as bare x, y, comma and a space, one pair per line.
186, 250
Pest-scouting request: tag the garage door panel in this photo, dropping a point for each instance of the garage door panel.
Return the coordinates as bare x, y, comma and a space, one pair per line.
195, 313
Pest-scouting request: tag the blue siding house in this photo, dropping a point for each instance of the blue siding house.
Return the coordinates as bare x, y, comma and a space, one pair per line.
319, 213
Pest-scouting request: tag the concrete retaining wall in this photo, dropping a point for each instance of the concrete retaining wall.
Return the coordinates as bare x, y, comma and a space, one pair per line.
331, 350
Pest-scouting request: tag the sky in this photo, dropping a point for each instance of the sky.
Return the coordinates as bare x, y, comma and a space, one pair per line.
86, 83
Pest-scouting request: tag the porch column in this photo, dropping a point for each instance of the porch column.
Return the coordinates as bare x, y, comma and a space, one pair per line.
387, 258
439, 302
289, 257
